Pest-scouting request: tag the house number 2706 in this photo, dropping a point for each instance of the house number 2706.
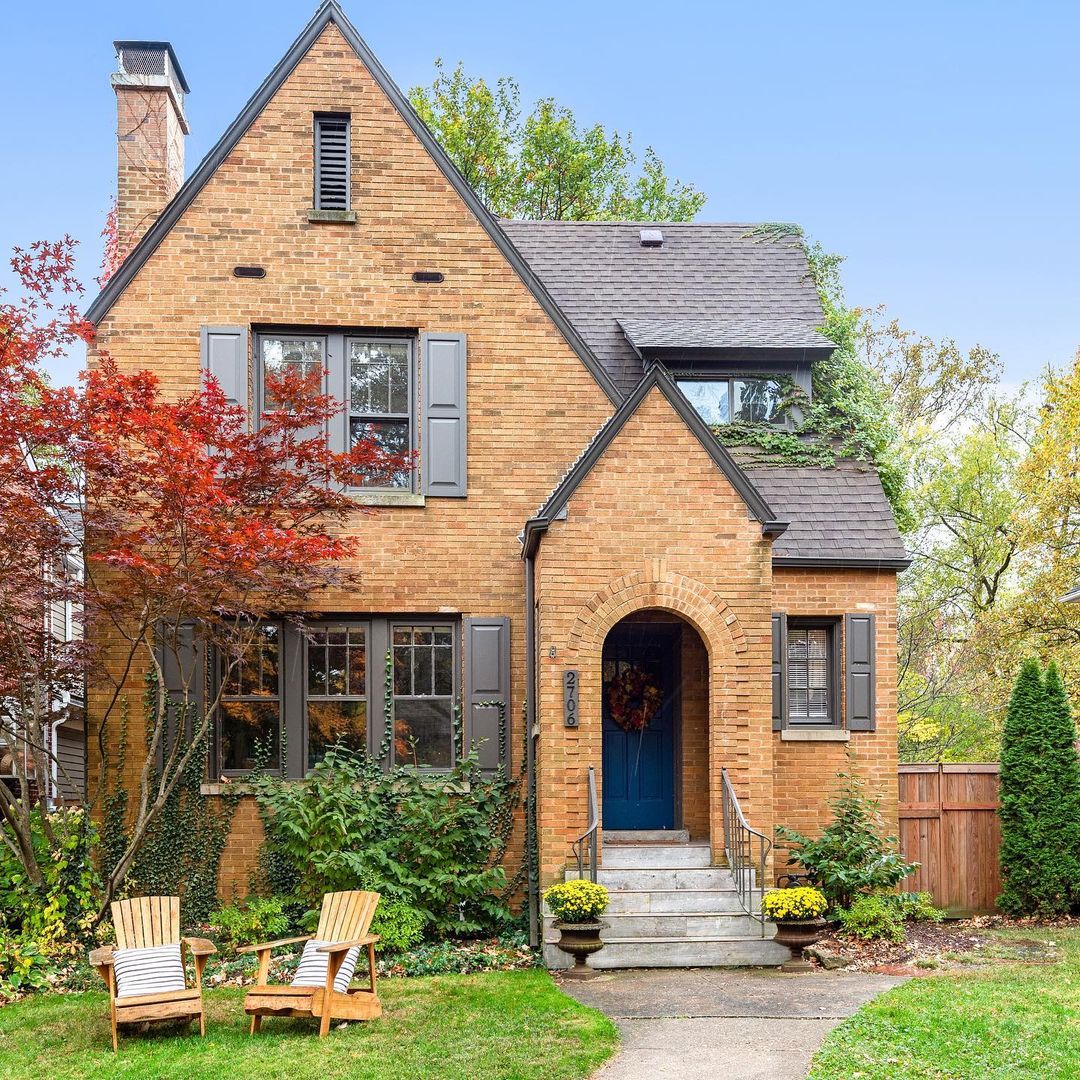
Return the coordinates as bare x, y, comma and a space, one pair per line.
570, 698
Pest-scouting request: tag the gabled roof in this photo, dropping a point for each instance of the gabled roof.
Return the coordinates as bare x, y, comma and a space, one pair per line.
330, 12
715, 333
839, 516
600, 274
656, 377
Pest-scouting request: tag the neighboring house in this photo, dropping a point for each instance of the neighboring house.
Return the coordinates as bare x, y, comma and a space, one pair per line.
570, 511
62, 622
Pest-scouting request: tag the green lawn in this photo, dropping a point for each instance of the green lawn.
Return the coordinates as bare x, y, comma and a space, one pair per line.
494, 1025
1004, 1020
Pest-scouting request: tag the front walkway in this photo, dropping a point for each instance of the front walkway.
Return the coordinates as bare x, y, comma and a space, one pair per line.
738, 1024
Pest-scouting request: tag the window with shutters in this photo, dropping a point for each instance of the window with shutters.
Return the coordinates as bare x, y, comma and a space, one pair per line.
332, 161
812, 679
424, 693
380, 400
337, 691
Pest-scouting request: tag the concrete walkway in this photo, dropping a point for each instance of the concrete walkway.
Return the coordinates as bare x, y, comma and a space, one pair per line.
733, 1024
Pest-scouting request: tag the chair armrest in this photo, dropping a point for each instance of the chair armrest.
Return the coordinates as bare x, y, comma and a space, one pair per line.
102, 957
344, 946
200, 946
274, 944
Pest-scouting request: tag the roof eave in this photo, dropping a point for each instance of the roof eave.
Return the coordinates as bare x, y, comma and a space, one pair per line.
844, 562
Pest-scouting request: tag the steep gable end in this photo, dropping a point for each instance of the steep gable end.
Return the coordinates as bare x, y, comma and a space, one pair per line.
655, 378
330, 14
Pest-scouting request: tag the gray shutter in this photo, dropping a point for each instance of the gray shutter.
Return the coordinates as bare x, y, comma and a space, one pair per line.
225, 356
779, 669
487, 679
182, 666
859, 664
293, 710
444, 464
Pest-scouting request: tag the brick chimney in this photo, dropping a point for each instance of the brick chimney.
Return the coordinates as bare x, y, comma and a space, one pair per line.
150, 130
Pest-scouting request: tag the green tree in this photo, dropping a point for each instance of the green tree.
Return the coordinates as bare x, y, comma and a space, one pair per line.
546, 165
1040, 797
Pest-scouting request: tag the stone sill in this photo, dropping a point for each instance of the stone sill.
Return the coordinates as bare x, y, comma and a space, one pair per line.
812, 735
387, 498
338, 217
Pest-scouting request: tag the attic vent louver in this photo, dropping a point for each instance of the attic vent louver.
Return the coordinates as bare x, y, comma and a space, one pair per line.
652, 238
332, 159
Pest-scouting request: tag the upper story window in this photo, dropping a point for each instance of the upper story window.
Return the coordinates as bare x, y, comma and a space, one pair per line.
736, 400
332, 159
375, 375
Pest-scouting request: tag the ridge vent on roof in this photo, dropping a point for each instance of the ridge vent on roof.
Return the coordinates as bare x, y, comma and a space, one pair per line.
652, 237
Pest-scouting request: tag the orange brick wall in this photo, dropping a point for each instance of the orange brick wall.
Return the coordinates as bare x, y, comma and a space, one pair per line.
805, 772
655, 524
695, 734
532, 403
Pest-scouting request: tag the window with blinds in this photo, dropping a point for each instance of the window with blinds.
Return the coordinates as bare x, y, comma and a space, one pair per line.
332, 158
810, 689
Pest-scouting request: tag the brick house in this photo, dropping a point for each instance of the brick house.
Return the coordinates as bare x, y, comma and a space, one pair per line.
571, 516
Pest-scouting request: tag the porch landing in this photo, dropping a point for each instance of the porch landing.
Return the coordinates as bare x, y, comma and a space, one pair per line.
670, 907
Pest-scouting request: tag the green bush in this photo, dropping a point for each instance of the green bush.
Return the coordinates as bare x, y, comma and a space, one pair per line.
1040, 798
431, 842
398, 925
873, 917
917, 907
254, 920
852, 856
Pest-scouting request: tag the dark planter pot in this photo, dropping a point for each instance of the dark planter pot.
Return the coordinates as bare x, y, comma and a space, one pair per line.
580, 940
797, 934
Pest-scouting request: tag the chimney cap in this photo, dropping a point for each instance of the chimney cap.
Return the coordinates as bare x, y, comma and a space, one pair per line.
134, 57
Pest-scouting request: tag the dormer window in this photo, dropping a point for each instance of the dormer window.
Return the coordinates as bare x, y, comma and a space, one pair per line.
736, 400
333, 156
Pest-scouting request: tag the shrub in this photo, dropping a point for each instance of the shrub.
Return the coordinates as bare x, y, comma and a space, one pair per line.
873, 917
917, 907
433, 843
782, 905
398, 925
254, 920
1040, 798
23, 966
852, 855
577, 901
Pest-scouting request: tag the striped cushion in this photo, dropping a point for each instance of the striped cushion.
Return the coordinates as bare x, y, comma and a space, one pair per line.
312, 969
157, 970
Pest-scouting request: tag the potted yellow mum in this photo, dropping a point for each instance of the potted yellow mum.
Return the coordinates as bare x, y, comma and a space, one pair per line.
577, 907
798, 916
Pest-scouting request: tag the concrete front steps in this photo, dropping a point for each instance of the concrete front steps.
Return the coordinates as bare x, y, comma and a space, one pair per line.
669, 907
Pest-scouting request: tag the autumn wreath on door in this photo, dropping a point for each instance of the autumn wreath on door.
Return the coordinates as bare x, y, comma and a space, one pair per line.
633, 699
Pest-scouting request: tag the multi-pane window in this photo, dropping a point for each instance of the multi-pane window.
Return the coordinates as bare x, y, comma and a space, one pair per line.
743, 400
336, 690
305, 357
379, 398
810, 690
250, 726
423, 661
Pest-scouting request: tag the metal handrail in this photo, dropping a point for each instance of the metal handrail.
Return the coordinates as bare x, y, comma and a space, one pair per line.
741, 844
587, 841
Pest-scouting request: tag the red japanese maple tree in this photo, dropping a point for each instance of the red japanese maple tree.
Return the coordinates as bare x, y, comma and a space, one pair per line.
196, 525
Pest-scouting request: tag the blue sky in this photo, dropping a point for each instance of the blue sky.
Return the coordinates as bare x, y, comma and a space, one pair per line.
933, 144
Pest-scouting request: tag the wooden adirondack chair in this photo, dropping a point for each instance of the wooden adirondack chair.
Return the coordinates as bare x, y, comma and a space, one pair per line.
344, 922
143, 923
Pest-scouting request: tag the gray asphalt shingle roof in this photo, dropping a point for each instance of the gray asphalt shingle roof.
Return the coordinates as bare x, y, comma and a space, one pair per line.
722, 334
834, 513
598, 273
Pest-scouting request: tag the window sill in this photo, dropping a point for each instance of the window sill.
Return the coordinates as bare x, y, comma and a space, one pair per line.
237, 787
339, 217
388, 498
815, 735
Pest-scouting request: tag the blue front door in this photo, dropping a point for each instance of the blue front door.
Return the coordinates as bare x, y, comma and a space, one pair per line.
639, 766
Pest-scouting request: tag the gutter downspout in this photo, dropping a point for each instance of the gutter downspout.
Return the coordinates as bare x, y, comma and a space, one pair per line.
530, 749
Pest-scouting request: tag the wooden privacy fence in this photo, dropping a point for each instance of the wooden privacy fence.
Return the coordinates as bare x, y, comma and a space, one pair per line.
949, 824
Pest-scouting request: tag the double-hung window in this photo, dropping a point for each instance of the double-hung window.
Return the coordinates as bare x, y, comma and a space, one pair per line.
336, 689
374, 376
423, 703
812, 676
250, 714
